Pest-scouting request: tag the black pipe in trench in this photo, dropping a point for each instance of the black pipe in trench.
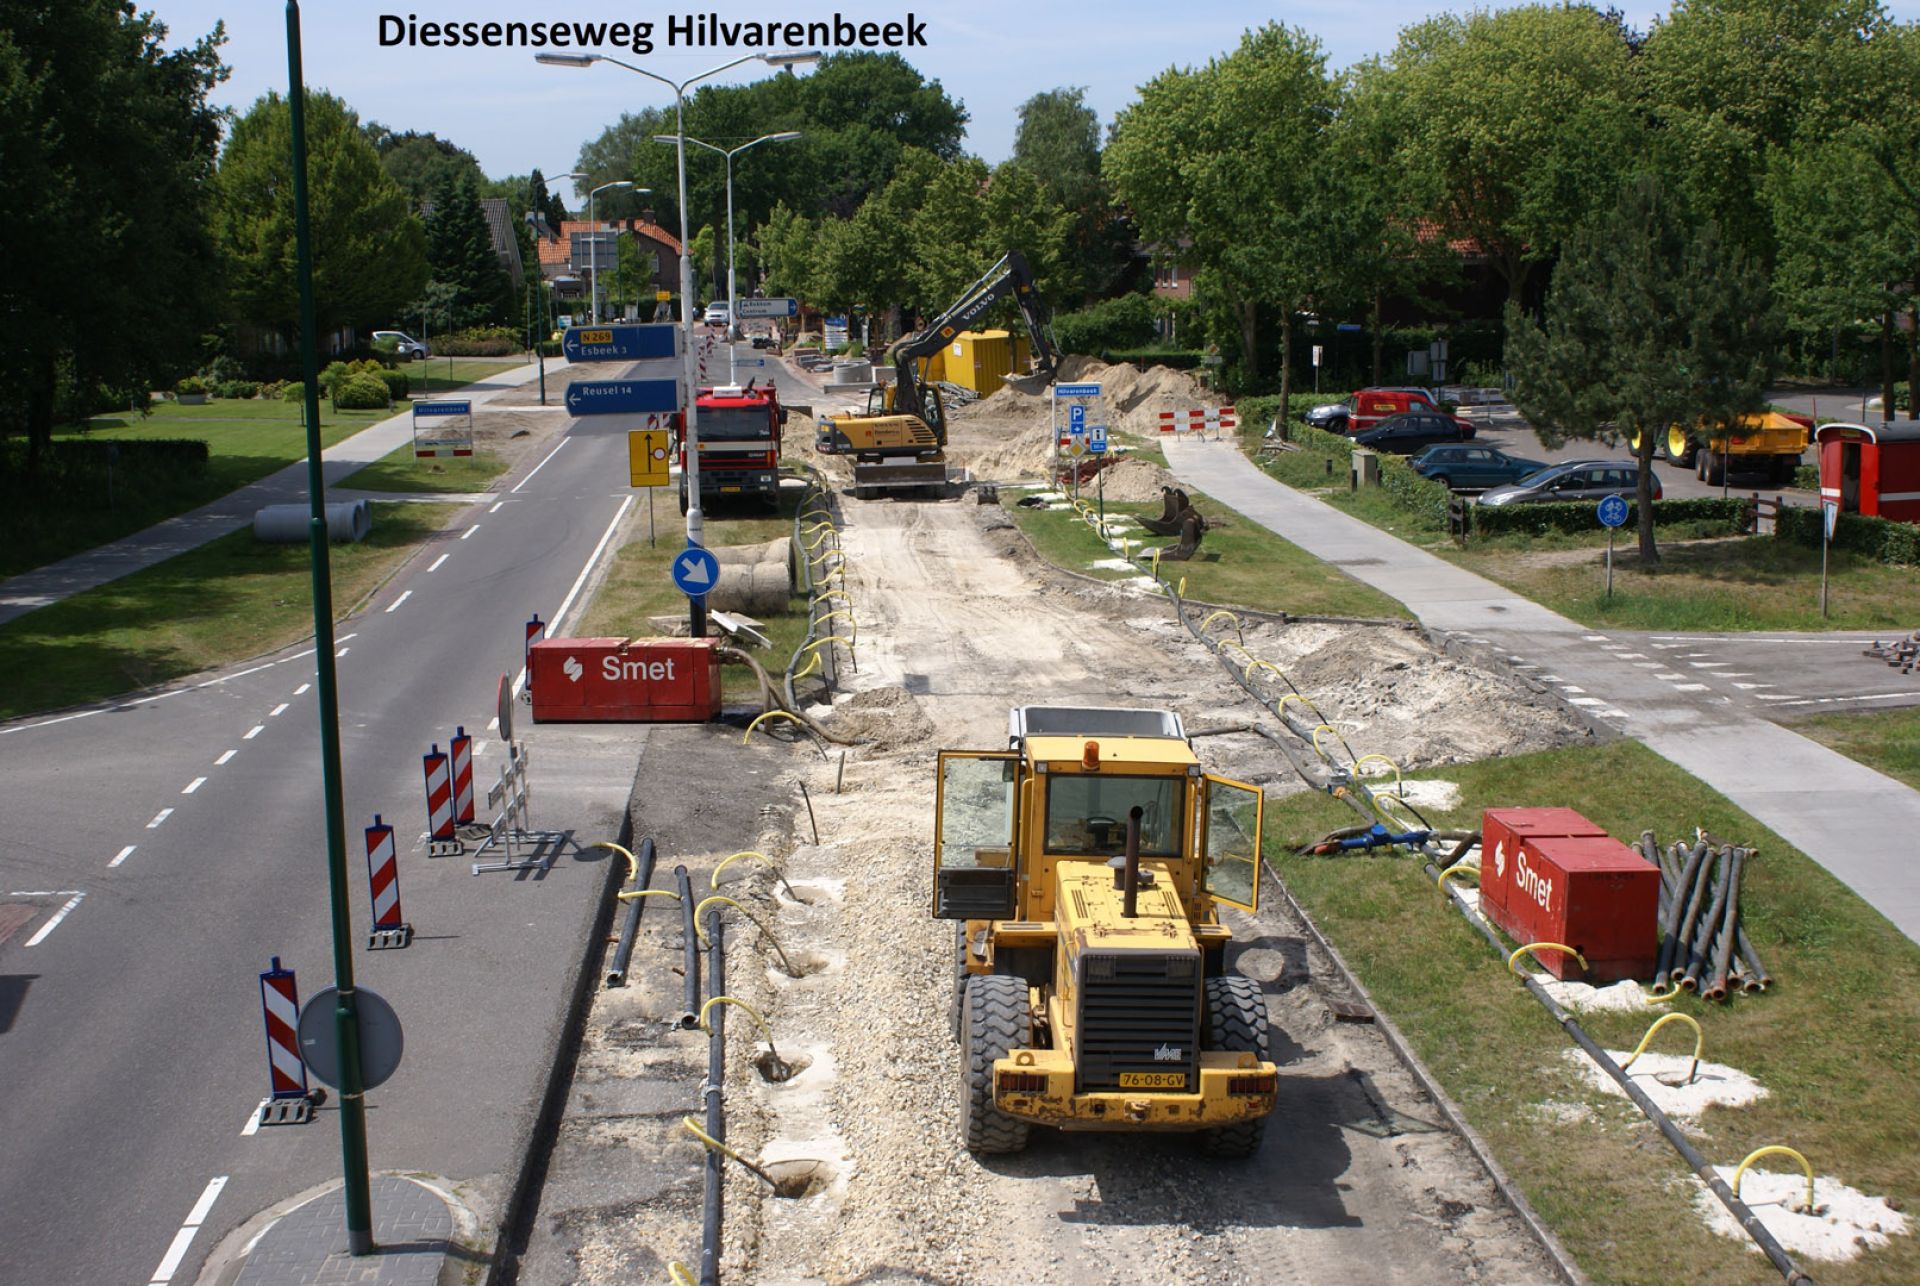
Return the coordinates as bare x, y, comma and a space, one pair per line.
716, 1127
623, 953
691, 954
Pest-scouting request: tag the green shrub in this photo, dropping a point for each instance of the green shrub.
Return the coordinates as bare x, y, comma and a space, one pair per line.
1125, 322
1892, 542
331, 376
239, 390
271, 390
387, 347
1577, 517
293, 391
224, 370
396, 382
1260, 410
1178, 359
361, 391
1411, 491
1807, 477
458, 347
190, 385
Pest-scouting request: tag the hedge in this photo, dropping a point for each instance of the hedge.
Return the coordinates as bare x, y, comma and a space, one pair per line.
457, 347
361, 391
1124, 322
1259, 411
1177, 359
1577, 517
1876, 537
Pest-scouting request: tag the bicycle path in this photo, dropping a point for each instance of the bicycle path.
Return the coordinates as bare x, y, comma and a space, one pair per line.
1857, 823
143, 549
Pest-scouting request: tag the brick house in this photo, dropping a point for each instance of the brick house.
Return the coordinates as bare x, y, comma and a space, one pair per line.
580, 247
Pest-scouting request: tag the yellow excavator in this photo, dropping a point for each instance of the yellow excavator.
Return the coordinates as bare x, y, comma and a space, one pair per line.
900, 443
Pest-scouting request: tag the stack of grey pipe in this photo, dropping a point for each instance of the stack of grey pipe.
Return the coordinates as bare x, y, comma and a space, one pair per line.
1702, 946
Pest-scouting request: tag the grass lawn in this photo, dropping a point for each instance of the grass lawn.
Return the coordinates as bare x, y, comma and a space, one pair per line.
432, 376
227, 600
1887, 741
638, 584
1730, 583
400, 470
1240, 563
1836, 1041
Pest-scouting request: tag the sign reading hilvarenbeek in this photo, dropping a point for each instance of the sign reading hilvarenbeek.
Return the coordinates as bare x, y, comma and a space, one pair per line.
681, 31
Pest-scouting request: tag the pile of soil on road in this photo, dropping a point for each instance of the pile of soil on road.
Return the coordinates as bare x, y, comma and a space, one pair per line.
884, 718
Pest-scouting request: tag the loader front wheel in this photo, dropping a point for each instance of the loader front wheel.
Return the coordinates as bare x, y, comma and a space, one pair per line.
1237, 1023
994, 1012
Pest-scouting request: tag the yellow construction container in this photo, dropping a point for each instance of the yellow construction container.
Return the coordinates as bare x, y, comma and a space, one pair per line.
979, 360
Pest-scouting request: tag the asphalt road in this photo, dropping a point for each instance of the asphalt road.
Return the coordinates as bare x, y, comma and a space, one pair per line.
188, 825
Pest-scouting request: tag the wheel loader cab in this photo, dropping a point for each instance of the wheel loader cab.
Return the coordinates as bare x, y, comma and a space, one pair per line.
1089, 997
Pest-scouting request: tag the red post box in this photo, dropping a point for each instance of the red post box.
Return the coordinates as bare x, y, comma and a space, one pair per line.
1504, 830
1588, 892
608, 680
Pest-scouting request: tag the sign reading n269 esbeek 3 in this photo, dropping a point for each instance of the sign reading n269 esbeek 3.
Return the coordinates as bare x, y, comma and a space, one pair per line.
621, 343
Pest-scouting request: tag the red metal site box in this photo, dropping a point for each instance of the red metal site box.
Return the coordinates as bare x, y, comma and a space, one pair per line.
1504, 830
624, 680
1591, 893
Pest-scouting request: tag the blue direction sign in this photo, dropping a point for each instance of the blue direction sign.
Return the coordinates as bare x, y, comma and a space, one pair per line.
1076, 390
620, 343
695, 569
752, 309
1613, 511
622, 397
1097, 439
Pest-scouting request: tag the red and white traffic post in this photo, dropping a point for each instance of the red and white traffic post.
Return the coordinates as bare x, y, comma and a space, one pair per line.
441, 840
536, 630
290, 1102
461, 748
390, 928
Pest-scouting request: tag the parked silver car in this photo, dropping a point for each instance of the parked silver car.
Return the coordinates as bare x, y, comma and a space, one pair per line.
1571, 480
406, 347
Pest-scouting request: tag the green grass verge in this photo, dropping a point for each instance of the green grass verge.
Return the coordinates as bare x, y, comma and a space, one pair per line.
230, 599
400, 470
1887, 741
1240, 562
1836, 1041
432, 377
1733, 583
639, 584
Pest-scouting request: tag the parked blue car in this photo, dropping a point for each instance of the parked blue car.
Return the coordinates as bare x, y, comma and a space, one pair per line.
1464, 467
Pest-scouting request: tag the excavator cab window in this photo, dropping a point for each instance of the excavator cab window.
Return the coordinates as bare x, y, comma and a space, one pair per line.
1230, 842
973, 825
880, 400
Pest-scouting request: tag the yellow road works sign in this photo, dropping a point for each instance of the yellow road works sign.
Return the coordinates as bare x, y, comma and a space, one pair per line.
647, 457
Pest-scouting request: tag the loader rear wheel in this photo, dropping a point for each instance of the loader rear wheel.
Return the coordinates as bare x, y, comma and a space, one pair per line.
1237, 1023
996, 1017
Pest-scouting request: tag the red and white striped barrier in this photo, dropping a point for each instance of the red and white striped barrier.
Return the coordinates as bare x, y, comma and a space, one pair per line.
439, 794
1198, 419
390, 929
536, 630
461, 748
289, 1103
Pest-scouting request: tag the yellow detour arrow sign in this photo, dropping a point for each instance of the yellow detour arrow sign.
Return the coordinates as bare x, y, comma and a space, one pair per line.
647, 457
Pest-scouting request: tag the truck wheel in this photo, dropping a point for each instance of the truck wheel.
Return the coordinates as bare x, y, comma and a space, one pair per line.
1714, 466
1236, 1022
995, 1014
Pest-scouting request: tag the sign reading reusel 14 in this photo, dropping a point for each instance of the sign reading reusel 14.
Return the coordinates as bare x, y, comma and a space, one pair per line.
622, 397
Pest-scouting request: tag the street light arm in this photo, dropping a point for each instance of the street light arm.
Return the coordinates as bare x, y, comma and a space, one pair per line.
674, 139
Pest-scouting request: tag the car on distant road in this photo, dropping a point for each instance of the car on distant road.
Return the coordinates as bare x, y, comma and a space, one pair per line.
718, 313
1589, 480
406, 347
1409, 431
1471, 468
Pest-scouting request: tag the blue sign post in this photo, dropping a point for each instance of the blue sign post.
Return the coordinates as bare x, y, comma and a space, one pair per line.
621, 343
622, 397
1097, 439
1612, 511
695, 569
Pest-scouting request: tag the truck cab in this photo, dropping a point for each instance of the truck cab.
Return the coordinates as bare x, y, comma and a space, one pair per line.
1084, 867
739, 443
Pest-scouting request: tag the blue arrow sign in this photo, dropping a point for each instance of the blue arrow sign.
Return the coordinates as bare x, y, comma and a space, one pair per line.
1613, 511
619, 343
1076, 390
622, 397
695, 569
750, 309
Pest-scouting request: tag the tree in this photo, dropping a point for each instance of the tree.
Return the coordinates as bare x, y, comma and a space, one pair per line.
420, 163
1058, 143
1651, 322
108, 144
460, 254
1223, 165
369, 249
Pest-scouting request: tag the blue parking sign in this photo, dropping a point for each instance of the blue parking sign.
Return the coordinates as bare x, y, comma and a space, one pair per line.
1076, 417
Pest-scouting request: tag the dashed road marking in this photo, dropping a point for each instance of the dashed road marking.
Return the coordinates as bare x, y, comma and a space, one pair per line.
436, 562
252, 1127
1568, 687
342, 652
194, 785
496, 504
254, 731
1749, 687
176, 1252
394, 605
1822, 701
1593, 638
1670, 676
1691, 687
1632, 656
1585, 701
1648, 665
54, 923
122, 856
224, 759
1708, 665
303, 689
469, 531
159, 817
278, 710
1778, 696
493, 724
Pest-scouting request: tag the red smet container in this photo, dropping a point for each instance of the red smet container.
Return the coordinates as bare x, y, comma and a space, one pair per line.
1588, 892
1504, 830
609, 680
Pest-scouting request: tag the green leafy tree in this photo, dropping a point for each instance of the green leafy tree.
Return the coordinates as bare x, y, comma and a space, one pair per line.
421, 163
369, 249
107, 147
460, 254
1651, 322
1058, 142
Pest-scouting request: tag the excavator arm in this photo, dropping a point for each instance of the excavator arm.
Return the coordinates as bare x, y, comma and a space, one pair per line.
1011, 276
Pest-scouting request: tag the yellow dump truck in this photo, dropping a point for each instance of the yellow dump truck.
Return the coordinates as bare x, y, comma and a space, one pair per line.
1084, 867
1769, 443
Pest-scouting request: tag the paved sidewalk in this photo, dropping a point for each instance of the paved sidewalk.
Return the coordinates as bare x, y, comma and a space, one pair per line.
95, 567
1857, 823
413, 1235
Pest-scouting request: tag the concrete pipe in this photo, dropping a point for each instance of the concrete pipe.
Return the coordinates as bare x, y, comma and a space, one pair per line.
852, 372
348, 520
756, 590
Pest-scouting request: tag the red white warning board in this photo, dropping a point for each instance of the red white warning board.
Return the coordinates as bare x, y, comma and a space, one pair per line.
1197, 419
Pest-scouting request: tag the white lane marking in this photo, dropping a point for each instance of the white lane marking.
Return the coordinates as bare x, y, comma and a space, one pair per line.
1708, 665
54, 923
159, 817
140, 701
170, 1263
536, 468
1632, 656
559, 617
1777, 696
43, 893
238, 674
1804, 640
1549, 678
48, 723
278, 710
469, 531
348, 637
1694, 656
1585, 701
122, 856
1568, 687
303, 689
1649, 665
396, 602
224, 759
493, 724
194, 785
1749, 687
480, 747
1670, 676
254, 731
1593, 638
342, 652
496, 505
252, 1126
1690, 687
436, 562
1822, 701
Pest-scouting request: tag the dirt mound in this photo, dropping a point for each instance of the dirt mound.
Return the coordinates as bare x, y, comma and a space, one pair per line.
886, 718
1132, 480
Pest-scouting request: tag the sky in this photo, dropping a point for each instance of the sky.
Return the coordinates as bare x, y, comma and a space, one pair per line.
991, 55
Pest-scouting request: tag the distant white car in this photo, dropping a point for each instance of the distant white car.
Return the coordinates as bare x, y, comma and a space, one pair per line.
719, 314
407, 348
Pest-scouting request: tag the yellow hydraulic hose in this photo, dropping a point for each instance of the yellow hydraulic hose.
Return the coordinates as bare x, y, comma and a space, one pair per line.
771, 714
1399, 785
1513, 960
700, 928
830, 638
628, 895
813, 663
840, 611
701, 1021
1699, 1043
677, 1274
1458, 868
633, 863
694, 1129
771, 865
1783, 1150
1214, 616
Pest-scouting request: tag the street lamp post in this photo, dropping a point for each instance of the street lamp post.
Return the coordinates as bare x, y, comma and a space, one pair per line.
540, 346
593, 248
695, 518
733, 297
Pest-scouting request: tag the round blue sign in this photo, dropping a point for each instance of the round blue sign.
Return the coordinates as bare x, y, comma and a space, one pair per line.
1613, 511
695, 569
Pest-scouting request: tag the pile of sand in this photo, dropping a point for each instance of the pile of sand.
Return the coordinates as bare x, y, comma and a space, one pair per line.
885, 718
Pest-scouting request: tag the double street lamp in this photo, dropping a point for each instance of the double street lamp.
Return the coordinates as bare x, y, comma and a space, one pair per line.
733, 298
593, 246
695, 518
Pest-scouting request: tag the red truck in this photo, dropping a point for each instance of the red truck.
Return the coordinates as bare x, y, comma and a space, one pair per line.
739, 443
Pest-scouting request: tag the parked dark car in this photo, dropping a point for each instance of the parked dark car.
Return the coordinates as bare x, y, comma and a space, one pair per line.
1331, 417
1588, 480
1408, 432
1471, 468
